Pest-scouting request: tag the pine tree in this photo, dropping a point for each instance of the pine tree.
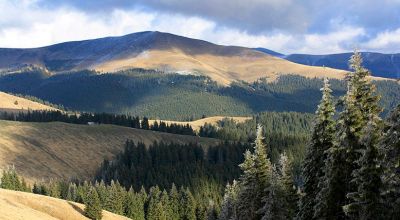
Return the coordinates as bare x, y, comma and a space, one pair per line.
366, 203
72, 192
93, 207
228, 208
275, 206
115, 198
290, 193
164, 200
359, 104
256, 178
246, 207
390, 146
187, 205
314, 163
134, 206
174, 202
155, 209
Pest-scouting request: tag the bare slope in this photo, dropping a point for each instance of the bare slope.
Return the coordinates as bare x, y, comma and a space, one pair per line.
21, 205
248, 65
60, 150
155, 50
11, 102
209, 120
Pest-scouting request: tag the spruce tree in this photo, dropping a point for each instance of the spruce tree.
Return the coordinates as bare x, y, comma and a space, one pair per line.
256, 178
228, 208
275, 206
155, 209
115, 198
366, 203
390, 146
290, 193
246, 207
359, 103
174, 203
314, 163
134, 206
187, 205
93, 207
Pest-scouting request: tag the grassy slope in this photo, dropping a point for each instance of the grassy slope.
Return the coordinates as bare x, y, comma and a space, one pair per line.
21, 205
8, 102
248, 66
59, 150
209, 120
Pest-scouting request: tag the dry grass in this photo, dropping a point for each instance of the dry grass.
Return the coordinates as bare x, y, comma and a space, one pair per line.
10, 102
20, 206
248, 66
40, 151
209, 120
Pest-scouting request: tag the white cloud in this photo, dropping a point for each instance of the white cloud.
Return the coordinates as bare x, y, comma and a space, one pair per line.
388, 41
39, 26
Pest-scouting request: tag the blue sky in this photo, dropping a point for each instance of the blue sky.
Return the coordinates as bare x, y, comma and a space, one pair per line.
287, 26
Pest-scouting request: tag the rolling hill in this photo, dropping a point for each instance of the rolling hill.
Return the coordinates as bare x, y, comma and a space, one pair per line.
209, 120
40, 151
381, 65
14, 103
21, 205
162, 51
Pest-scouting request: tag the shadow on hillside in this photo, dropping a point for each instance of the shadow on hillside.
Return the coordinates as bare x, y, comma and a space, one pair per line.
77, 208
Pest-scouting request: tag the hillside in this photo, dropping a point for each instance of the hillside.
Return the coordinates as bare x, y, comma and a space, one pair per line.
14, 103
209, 120
21, 205
59, 150
177, 97
381, 65
162, 51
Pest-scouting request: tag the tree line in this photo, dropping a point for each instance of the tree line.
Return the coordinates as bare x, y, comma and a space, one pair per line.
98, 118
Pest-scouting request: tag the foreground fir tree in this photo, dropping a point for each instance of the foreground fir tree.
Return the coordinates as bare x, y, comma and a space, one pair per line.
316, 155
366, 203
246, 207
256, 178
93, 207
390, 145
359, 104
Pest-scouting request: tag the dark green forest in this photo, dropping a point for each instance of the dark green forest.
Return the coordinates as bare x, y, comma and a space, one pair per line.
160, 95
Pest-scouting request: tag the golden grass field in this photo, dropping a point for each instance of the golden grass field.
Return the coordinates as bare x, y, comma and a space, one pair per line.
28, 206
11, 102
41, 151
249, 66
209, 120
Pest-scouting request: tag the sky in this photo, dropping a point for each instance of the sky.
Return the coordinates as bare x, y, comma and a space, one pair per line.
286, 26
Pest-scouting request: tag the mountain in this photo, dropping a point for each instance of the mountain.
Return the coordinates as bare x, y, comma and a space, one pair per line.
55, 150
23, 205
270, 52
381, 65
162, 51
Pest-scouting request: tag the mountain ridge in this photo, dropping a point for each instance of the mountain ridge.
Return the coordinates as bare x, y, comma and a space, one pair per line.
161, 51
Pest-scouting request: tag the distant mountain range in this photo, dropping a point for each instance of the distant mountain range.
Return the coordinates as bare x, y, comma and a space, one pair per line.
381, 65
160, 51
